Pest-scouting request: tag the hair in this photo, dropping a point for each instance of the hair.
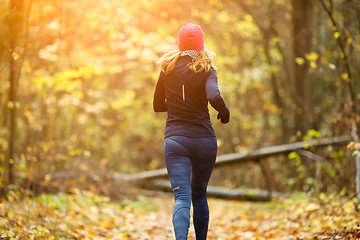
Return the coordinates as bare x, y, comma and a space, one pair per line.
204, 62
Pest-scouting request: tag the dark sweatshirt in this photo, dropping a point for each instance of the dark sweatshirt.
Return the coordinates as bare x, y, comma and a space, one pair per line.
185, 94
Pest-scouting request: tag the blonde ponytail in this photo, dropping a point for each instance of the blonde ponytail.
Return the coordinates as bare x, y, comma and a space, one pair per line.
169, 60
204, 62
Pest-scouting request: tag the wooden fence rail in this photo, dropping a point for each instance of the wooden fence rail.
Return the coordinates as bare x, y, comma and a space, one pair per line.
254, 155
304, 148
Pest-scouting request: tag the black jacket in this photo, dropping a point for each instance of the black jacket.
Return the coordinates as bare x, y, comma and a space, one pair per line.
185, 94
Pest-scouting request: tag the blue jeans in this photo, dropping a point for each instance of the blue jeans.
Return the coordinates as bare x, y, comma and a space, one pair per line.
182, 155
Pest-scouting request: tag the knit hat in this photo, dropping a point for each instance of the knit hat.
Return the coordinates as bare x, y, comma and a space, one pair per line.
191, 37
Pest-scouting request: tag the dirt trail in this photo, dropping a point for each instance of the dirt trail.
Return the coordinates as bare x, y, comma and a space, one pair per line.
234, 220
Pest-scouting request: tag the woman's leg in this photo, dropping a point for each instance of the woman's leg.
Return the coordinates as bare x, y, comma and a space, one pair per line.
202, 166
178, 165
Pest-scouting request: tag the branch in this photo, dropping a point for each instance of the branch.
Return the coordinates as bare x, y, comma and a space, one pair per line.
346, 62
311, 155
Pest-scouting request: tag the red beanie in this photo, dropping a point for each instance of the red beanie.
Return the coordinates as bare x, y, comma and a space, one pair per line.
191, 37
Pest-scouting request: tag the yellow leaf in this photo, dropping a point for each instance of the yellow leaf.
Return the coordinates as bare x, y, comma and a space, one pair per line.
91, 234
275, 39
11, 105
313, 56
336, 35
299, 60
313, 65
11, 214
15, 56
248, 18
349, 41
312, 207
345, 76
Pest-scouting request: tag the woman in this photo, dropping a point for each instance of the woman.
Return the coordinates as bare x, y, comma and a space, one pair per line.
187, 82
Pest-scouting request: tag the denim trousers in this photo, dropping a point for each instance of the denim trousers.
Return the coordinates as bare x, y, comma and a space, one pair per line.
189, 162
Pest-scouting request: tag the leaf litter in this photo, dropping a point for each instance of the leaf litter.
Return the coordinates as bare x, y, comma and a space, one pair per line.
85, 215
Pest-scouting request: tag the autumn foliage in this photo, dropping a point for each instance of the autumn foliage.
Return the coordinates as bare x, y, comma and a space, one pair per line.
76, 87
84, 215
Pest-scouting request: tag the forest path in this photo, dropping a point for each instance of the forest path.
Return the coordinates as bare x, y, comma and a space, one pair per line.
235, 220
85, 215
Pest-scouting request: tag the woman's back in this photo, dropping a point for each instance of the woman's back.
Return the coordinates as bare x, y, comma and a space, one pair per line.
187, 103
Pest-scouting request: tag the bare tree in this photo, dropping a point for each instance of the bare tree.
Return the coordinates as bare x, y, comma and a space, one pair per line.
15, 30
301, 18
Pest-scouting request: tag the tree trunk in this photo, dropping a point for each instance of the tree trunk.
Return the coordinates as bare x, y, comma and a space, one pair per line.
355, 123
301, 18
276, 95
15, 29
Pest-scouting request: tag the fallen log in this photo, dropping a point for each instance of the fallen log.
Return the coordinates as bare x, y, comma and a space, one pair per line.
253, 155
230, 194
227, 159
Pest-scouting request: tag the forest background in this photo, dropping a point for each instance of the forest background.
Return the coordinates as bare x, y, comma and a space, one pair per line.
77, 81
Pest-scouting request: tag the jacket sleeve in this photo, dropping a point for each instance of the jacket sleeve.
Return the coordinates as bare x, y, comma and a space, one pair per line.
214, 96
159, 102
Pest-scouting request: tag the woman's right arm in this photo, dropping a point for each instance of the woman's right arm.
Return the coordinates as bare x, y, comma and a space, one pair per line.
159, 103
214, 97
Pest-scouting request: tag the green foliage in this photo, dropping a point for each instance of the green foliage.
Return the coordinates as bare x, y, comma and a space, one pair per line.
312, 133
294, 156
141, 204
356, 153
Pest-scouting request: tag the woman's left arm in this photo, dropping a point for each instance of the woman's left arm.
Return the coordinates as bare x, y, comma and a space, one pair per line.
159, 103
214, 97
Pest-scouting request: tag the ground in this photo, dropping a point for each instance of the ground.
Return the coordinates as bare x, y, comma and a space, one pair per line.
84, 215
234, 220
